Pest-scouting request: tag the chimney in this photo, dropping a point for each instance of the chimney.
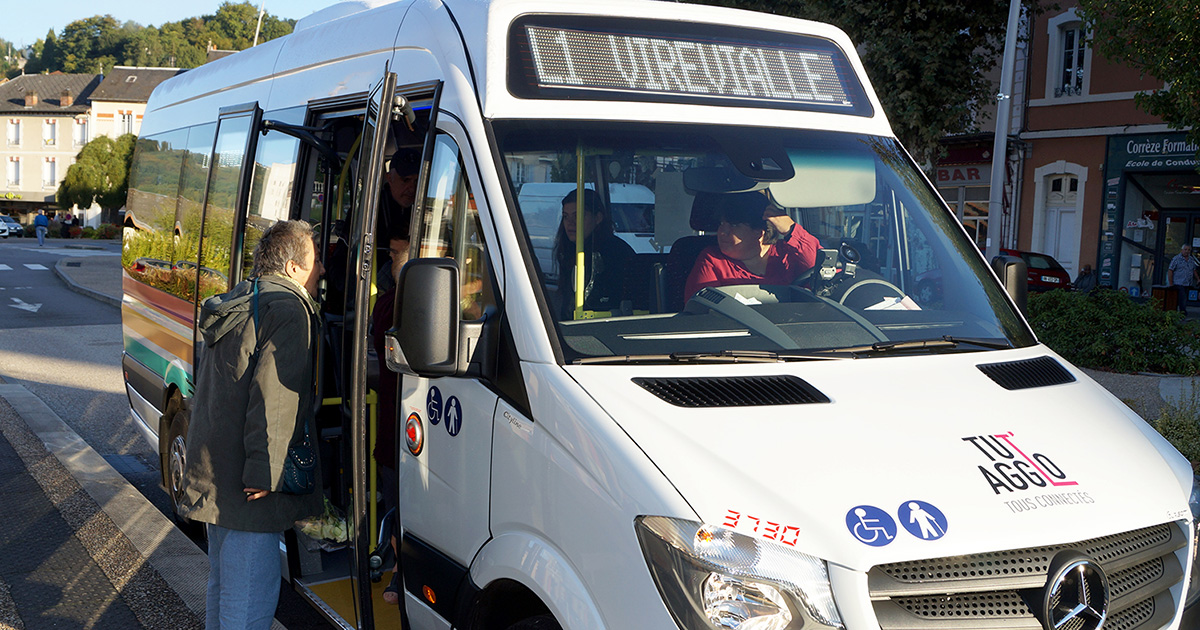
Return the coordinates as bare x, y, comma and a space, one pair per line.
65, 99
31, 98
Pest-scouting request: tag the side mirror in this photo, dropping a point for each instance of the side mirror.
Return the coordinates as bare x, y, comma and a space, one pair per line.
1012, 272
426, 337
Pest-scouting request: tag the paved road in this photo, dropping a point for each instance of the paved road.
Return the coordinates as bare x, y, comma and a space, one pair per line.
65, 348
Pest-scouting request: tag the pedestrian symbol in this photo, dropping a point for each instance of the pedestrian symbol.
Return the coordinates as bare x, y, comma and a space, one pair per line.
453, 416
433, 405
922, 520
871, 525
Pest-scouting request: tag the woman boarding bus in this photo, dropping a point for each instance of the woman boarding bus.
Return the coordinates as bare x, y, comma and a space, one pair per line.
810, 454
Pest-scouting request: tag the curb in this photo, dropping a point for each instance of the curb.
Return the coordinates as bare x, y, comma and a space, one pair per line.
78, 288
172, 554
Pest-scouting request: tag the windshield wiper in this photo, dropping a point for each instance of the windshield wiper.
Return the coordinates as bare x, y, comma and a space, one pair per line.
722, 356
945, 342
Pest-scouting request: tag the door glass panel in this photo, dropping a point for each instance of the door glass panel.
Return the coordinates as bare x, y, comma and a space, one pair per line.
451, 228
221, 202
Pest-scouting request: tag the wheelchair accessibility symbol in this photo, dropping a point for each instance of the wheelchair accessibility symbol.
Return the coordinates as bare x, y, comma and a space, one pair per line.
871, 525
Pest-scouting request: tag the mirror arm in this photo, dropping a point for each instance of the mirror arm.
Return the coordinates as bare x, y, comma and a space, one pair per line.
307, 135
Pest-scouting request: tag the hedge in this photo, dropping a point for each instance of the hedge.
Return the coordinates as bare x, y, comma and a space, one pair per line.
1106, 330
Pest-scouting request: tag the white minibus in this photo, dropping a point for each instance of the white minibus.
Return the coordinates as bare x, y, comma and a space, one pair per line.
662, 362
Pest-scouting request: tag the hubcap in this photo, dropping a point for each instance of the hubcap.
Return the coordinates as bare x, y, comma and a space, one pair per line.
177, 459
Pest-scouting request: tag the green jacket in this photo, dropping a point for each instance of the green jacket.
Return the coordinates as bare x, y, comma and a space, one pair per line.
253, 389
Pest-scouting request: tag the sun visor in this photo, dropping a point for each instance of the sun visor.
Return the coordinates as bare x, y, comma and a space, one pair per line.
826, 178
717, 179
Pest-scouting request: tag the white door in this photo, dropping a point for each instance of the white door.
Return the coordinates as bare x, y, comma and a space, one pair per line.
1062, 222
445, 487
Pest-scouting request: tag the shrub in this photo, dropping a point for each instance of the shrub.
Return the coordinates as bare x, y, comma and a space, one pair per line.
1180, 424
86, 232
1106, 330
107, 230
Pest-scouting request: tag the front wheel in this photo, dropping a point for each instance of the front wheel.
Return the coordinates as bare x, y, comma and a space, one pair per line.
540, 622
175, 465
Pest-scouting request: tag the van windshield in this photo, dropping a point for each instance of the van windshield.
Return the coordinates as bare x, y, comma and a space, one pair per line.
666, 241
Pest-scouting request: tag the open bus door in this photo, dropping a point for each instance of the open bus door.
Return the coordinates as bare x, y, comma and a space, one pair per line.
357, 342
338, 581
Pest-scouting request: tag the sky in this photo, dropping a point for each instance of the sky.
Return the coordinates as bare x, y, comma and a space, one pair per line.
26, 21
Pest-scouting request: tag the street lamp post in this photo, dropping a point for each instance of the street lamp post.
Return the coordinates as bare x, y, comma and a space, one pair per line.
1000, 143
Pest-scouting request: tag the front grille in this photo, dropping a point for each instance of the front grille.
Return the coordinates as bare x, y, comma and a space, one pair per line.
994, 591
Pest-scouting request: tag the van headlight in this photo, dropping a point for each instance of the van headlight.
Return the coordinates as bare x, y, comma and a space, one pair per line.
712, 577
1194, 582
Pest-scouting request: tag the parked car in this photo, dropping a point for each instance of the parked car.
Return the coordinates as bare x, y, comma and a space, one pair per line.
13, 228
1044, 273
4, 229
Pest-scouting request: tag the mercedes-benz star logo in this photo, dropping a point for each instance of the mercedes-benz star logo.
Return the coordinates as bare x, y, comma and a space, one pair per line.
1076, 594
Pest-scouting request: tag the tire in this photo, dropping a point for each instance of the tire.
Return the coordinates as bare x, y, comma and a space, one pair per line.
540, 622
174, 463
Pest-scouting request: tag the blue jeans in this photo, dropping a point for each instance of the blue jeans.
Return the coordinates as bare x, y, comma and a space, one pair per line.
243, 579
41, 234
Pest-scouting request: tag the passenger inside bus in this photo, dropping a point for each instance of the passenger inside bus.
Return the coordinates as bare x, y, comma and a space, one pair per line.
607, 259
385, 438
757, 243
395, 204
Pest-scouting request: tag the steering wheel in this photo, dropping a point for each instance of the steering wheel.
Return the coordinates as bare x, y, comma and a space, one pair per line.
865, 292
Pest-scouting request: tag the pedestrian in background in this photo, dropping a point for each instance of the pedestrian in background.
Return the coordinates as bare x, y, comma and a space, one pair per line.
254, 396
1085, 282
41, 223
1183, 275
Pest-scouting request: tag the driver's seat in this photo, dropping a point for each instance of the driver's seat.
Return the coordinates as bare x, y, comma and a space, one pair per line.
686, 250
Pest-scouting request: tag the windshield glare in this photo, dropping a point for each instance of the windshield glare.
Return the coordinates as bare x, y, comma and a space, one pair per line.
671, 239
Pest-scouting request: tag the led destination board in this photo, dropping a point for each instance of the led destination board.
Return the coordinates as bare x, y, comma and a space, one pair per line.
807, 73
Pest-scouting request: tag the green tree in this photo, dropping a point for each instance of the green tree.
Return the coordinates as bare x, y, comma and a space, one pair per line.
99, 175
927, 59
1162, 39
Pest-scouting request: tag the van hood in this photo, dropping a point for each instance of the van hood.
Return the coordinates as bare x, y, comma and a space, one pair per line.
912, 457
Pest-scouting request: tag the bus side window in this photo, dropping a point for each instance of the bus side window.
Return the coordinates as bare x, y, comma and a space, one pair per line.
451, 228
270, 190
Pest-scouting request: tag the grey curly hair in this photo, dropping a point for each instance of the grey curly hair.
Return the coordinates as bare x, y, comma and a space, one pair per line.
281, 242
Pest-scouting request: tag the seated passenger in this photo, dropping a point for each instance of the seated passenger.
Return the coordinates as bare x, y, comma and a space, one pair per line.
607, 258
757, 243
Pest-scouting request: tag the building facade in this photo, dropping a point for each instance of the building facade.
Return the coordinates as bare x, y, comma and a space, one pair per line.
1103, 183
46, 124
119, 102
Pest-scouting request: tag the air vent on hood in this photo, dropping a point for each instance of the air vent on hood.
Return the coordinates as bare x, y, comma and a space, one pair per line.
743, 391
1027, 374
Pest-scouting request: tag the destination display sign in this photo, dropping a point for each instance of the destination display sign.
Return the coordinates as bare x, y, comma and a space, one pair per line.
700, 64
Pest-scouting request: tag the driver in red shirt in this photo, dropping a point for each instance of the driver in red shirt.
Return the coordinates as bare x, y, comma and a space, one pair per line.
757, 243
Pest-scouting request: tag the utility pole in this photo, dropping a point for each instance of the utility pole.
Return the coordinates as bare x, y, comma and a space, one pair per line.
1000, 144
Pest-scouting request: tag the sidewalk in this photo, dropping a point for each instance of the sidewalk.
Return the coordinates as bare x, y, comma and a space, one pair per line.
79, 546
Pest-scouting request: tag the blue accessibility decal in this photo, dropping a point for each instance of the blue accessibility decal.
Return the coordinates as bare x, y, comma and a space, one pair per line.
922, 520
453, 416
433, 405
871, 525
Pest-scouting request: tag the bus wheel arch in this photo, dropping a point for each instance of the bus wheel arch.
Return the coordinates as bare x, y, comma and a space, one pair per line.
506, 604
173, 451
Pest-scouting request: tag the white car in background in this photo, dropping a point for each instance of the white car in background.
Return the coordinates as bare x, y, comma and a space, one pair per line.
14, 227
